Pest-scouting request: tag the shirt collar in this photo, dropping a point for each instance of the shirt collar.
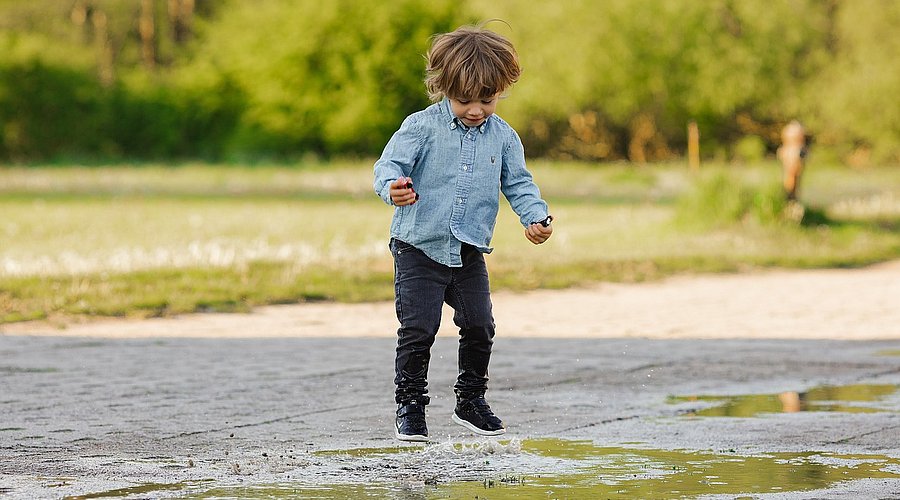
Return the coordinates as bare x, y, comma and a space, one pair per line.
453, 122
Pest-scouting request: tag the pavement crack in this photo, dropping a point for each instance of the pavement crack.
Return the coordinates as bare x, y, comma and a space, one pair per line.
676, 413
864, 434
879, 374
264, 422
601, 422
654, 366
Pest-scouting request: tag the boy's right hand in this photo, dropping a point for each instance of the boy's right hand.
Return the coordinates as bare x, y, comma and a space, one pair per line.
402, 192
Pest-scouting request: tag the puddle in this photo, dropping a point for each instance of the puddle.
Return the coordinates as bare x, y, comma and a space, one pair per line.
545, 468
861, 398
141, 491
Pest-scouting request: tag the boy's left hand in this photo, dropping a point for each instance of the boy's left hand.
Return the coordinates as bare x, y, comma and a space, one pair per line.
537, 233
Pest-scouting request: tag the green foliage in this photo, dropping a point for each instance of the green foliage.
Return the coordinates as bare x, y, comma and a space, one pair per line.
751, 148
50, 109
175, 119
618, 79
719, 199
329, 81
306, 77
855, 102
646, 68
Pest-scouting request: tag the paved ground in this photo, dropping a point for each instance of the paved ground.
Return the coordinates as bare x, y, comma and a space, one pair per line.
249, 405
246, 417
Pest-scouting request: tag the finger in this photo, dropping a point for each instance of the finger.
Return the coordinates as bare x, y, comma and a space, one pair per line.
538, 230
404, 197
402, 193
540, 233
532, 237
401, 183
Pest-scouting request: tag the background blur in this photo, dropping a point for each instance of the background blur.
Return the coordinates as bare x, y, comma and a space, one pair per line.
168, 156
617, 79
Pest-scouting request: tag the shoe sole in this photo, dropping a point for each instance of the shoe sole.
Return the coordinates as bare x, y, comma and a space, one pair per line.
476, 430
416, 438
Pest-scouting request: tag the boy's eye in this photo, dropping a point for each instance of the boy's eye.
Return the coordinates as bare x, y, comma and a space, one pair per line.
462, 101
487, 101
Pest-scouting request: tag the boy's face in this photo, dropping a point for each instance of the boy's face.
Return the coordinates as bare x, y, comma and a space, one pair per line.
474, 112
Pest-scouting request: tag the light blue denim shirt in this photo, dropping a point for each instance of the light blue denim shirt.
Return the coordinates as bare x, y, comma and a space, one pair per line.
458, 173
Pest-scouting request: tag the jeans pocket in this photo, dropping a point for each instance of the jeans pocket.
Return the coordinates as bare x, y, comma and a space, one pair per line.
398, 247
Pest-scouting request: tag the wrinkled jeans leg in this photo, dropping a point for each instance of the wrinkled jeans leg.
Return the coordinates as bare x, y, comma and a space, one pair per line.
469, 294
419, 285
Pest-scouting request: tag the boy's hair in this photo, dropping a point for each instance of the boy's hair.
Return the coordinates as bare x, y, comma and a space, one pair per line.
470, 62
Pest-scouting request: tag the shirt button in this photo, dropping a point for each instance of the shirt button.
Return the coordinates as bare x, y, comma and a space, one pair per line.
465, 168
459, 201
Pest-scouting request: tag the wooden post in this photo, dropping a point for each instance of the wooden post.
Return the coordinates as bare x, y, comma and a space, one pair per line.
694, 146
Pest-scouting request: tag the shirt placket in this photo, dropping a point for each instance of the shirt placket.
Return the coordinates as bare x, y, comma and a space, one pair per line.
465, 170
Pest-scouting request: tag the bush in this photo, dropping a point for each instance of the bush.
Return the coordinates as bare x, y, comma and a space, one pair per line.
317, 79
750, 149
176, 118
48, 111
722, 199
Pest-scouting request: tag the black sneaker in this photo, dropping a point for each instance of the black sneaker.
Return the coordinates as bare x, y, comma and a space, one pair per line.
476, 415
411, 422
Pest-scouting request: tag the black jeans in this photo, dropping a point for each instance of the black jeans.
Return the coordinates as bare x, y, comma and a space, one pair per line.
421, 286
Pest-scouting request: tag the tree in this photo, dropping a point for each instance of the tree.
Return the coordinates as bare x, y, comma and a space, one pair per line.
326, 77
854, 102
622, 78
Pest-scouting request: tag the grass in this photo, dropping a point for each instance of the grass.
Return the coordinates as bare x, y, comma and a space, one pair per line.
156, 240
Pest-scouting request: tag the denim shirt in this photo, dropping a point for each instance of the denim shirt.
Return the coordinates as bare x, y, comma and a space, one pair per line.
458, 173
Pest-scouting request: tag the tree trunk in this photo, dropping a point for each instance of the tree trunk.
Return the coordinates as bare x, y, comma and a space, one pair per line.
106, 61
181, 18
147, 29
79, 15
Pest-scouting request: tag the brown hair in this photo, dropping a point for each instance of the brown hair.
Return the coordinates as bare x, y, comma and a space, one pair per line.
470, 62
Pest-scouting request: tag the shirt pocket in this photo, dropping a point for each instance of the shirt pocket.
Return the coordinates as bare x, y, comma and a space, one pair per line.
489, 158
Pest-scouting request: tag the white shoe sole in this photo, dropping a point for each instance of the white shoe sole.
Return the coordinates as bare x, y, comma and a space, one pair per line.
416, 438
474, 429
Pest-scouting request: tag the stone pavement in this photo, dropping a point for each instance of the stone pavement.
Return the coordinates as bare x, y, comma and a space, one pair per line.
171, 417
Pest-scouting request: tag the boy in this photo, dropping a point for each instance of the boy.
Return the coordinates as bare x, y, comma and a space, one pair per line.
443, 171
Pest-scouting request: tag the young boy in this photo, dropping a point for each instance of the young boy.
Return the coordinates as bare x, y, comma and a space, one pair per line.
443, 171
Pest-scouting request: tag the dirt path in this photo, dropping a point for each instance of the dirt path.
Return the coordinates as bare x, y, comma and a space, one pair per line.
852, 304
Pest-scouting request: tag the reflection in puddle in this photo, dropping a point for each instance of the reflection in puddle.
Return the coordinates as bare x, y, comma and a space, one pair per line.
572, 469
141, 491
827, 398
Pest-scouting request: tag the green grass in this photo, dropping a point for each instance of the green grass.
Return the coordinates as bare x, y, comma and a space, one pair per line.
157, 240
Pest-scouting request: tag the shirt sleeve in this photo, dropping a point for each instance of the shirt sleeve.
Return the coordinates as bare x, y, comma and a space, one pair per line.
517, 184
398, 159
